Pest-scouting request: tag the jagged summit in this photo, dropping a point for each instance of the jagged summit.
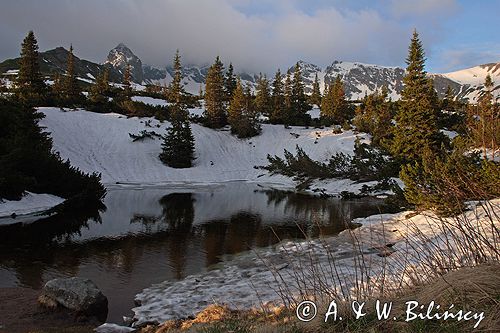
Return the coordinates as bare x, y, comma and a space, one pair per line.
121, 56
358, 78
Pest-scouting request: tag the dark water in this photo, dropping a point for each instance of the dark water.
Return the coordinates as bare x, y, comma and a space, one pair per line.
146, 236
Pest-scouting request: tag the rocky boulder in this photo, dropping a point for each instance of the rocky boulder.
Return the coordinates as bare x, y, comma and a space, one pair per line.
77, 294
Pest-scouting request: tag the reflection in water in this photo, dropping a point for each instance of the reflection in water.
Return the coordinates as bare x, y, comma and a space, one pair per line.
152, 235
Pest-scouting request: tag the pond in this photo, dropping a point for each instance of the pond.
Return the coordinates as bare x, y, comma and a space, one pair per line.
148, 235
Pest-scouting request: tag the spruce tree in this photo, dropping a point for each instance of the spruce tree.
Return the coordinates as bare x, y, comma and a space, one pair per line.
263, 97
327, 105
178, 143
374, 116
341, 111
299, 105
315, 97
176, 91
486, 121
229, 82
72, 92
288, 94
127, 85
278, 100
215, 109
57, 90
334, 106
99, 90
241, 113
30, 87
416, 127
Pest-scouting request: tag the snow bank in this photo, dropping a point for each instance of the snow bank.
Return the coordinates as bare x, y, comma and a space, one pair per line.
100, 143
29, 204
150, 100
389, 245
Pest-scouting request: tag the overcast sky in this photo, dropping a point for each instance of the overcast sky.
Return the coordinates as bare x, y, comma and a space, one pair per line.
260, 35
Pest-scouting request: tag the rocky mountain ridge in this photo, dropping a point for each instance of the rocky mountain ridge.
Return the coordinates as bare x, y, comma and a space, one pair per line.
359, 79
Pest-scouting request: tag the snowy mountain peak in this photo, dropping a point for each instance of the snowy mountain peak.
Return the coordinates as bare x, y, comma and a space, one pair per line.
121, 56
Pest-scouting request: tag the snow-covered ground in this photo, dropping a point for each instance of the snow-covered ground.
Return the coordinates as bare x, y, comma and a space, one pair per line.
100, 143
30, 203
251, 279
150, 100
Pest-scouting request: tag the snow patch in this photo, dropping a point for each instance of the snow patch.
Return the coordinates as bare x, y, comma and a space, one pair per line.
30, 203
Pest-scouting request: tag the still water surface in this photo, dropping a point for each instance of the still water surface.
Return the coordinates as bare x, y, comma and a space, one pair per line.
149, 235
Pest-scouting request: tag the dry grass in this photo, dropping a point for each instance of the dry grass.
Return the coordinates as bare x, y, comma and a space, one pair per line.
454, 263
475, 288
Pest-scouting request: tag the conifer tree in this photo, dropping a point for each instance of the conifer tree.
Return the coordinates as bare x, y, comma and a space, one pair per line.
241, 113
327, 105
299, 105
215, 109
278, 100
229, 82
288, 94
127, 85
178, 143
315, 97
374, 116
30, 87
484, 124
341, 112
263, 96
416, 127
72, 92
99, 90
334, 106
57, 90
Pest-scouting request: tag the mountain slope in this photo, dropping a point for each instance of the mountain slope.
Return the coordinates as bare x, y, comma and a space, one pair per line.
359, 79
54, 61
120, 57
471, 80
97, 142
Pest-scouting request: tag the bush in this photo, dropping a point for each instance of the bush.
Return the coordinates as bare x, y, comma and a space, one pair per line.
27, 162
367, 164
444, 183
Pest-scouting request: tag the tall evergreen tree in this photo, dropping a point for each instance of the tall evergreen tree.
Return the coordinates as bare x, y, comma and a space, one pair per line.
99, 90
57, 90
241, 113
72, 92
278, 99
288, 94
127, 85
327, 105
215, 109
334, 106
229, 82
315, 97
374, 116
30, 87
484, 123
263, 97
416, 127
178, 143
299, 105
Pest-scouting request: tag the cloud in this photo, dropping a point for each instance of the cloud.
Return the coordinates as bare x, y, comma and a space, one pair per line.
254, 35
465, 57
422, 7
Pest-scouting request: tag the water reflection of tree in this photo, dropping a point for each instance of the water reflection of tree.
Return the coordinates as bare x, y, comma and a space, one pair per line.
237, 234
321, 216
178, 214
28, 248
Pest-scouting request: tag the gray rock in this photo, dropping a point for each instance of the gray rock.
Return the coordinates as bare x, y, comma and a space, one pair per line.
79, 295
